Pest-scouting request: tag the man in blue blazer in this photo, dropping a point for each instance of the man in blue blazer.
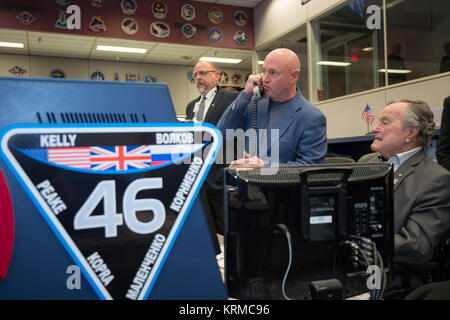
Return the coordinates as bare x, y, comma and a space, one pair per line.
421, 186
289, 129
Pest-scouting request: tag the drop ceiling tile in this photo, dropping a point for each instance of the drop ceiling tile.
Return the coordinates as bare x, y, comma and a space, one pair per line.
236, 3
65, 45
178, 54
177, 49
13, 35
59, 45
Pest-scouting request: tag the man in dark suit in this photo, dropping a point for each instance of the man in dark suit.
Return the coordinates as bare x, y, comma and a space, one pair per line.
421, 186
443, 146
396, 62
445, 62
216, 99
209, 107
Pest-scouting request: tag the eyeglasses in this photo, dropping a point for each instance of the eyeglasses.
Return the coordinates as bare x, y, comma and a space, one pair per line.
202, 73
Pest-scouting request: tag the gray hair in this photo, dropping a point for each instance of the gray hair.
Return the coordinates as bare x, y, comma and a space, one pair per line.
418, 114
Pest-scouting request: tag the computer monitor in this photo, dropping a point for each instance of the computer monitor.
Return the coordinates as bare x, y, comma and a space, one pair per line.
287, 228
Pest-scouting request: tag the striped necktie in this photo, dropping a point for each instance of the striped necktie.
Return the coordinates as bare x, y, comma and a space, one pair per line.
201, 109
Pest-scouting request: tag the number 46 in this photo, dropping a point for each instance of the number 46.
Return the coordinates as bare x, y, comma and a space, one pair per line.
110, 219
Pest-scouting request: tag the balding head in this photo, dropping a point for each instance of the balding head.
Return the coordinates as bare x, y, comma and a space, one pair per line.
290, 58
207, 65
281, 70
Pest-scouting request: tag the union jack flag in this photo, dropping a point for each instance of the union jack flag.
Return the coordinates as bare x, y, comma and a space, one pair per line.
117, 158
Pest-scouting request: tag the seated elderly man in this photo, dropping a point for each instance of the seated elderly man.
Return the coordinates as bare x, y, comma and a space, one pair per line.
421, 186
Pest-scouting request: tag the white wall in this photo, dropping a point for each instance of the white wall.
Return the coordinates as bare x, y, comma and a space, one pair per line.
175, 76
273, 18
344, 114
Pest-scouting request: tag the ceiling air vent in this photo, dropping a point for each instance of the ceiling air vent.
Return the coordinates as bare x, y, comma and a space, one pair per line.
88, 117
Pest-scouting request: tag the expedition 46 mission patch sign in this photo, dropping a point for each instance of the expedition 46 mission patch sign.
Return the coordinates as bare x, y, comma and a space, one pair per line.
115, 196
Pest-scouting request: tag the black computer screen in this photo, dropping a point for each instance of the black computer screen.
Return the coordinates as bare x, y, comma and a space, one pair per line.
324, 209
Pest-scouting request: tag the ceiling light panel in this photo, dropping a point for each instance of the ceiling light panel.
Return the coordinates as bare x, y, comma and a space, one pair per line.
244, 55
334, 63
400, 71
18, 45
123, 56
220, 60
121, 49
12, 36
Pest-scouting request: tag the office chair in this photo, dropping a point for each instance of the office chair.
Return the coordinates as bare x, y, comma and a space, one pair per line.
338, 160
439, 288
438, 267
415, 276
431, 291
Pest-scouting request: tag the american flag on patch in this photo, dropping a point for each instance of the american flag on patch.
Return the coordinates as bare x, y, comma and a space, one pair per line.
117, 158
368, 115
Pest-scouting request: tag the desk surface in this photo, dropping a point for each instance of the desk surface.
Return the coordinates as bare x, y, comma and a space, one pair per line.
365, 138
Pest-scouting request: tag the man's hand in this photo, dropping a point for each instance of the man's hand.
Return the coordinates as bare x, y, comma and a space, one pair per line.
252, 80
247, 161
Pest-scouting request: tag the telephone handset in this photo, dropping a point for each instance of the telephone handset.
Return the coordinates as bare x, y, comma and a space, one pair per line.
258, 91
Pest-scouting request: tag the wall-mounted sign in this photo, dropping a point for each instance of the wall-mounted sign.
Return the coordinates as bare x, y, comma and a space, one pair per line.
128, 7
188, 31
115, 197
321, 95
190, 76
160, 29
131, 77
25, 18
63, 3
159, 9
188, 12
240, 37
97, 25
61, 21
236, 78
223, 78
130, 26
240, 18
150, 78
215, 15
17, 71
215, 35
96, 3
58, 74
97, 76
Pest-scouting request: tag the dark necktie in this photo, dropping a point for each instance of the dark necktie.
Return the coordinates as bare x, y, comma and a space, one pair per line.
201, 109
